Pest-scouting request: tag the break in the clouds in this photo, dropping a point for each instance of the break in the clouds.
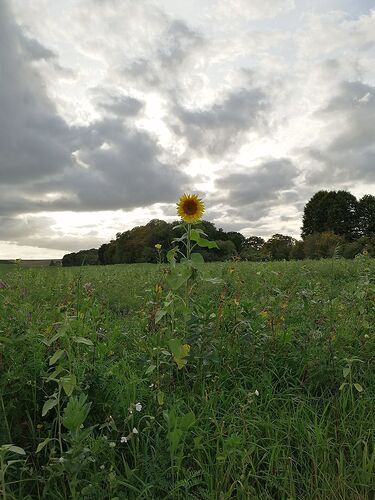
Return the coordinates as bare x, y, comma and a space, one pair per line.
109, 110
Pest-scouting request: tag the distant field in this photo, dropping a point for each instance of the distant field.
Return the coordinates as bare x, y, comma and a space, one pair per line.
31, 262
276, 399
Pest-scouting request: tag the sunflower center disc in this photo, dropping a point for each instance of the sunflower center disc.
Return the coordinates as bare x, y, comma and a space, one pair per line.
190, 207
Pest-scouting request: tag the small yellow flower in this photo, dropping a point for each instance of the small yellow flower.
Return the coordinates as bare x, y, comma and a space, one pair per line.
158, 246
264, 313
190, 208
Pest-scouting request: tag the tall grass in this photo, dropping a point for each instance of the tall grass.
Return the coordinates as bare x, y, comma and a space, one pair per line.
276, 400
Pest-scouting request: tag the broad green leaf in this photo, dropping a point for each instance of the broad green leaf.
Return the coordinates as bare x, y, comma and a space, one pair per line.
159, 315
150, 369
48, 405
75, 412
346, 371
187, 420
17, 449
171, 255
160, 398
358, 387
43, 444
83, 340
200, 231
342, 386
194, 235
177, 240
57, 335
197, 258
55, 373
69, 383
202, 242
178, 278
179, 352
56, 356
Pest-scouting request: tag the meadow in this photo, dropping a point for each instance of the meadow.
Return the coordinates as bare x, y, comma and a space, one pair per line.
264, 389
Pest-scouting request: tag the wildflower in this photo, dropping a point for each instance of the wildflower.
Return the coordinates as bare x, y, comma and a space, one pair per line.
366, 336
264, 313
102, 467
135, 431
112, 444
138, 407
61, 460
123, 439
2, 284
158, 246
256, 392
190, 208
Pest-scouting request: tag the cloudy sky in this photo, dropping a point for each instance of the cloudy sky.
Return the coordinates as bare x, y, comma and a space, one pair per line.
110, 109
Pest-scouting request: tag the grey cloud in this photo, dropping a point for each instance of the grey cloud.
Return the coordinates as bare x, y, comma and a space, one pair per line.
213, 131
33, 138
158, 69
41, 154
118, 104
263, 183
178, 42
34, 49
350, 154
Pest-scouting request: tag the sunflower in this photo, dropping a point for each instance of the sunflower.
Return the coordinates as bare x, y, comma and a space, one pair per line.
190, 208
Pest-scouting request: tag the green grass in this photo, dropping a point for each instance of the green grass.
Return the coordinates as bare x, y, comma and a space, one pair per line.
291, 332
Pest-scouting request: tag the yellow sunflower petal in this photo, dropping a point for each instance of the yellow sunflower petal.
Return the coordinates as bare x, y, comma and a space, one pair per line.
190, 208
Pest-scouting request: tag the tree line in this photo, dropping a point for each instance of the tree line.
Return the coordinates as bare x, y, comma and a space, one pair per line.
334, 223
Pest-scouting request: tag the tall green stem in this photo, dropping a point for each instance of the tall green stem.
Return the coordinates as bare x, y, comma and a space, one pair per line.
2, 474
188, 246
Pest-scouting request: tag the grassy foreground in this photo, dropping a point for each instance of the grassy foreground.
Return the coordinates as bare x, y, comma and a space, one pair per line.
276, 401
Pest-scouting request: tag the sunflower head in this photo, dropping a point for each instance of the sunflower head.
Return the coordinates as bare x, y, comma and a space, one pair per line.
190, 208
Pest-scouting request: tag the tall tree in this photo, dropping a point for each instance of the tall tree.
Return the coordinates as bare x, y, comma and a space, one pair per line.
254, 242
366, 212
331, 211
279, 246
237, 238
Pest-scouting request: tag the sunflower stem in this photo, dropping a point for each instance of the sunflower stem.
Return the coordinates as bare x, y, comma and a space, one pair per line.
188, 246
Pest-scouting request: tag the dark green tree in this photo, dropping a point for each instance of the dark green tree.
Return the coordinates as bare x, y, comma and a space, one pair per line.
237, 238
252, 248
332, 211
278, 247
366, 213
323, 245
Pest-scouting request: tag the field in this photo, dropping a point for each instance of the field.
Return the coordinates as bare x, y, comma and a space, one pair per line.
264, 388
31, 262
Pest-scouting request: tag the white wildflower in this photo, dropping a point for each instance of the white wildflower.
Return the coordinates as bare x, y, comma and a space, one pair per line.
61, 460
138, 407
112, 444
135, 431
123, 439
256, 392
